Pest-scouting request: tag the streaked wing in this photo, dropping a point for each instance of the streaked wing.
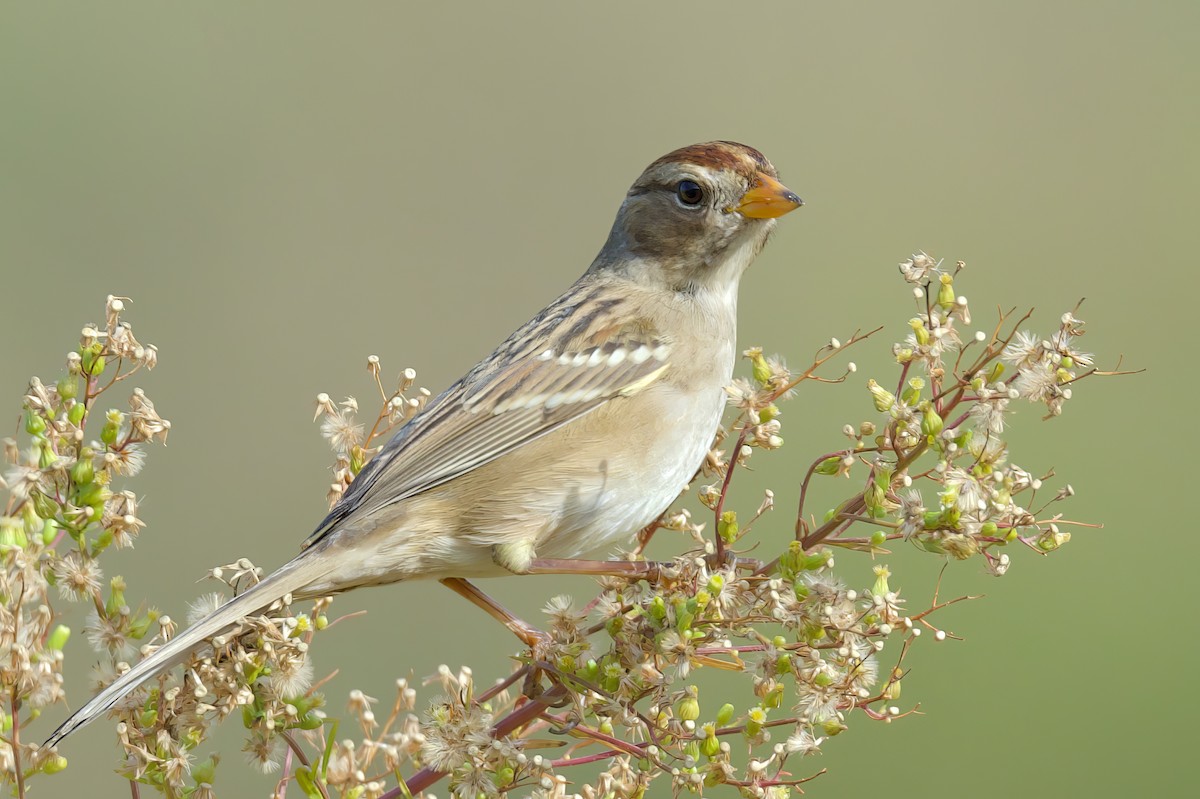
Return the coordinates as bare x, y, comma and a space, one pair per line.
552, 371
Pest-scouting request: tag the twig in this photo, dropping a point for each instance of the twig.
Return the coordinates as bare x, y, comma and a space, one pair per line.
15, 706
295, 747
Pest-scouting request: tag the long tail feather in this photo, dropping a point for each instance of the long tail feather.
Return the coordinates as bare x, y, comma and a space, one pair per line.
289, 578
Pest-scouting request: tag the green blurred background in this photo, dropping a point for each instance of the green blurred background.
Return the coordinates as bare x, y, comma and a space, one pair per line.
284, 189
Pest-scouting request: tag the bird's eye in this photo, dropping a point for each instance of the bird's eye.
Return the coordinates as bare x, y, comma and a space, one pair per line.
689, 192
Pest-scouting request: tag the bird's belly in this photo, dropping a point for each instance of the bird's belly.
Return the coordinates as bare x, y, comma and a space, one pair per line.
623, 495
577, 491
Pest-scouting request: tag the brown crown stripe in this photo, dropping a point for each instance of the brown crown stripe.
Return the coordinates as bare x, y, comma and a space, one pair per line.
721, 155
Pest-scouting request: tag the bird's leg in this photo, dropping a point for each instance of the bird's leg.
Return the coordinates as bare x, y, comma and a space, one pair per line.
648, 570
632, 569
646, 533
529, 635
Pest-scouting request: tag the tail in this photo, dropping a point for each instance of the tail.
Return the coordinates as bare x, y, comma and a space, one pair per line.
290, 577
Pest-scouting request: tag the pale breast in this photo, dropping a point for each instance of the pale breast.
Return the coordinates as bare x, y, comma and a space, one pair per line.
629, 483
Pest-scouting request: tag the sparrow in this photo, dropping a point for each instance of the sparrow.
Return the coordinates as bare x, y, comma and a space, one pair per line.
576, 432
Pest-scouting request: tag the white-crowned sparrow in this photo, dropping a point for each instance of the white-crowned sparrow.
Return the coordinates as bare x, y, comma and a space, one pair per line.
577, 431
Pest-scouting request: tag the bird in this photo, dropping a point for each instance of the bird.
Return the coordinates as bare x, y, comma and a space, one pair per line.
580, 429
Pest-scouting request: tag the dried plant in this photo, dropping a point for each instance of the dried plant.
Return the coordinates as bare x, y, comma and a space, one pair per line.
807, 649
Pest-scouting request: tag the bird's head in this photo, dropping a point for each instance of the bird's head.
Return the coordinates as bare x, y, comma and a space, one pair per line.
698, 216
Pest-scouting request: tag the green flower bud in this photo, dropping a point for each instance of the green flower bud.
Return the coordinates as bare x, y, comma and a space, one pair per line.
46, 456
754, 722
614, 626
358, 459
727, 528
945, 297
58, 638
931, 423
817, 560
612, 676
783, 664
657, 608
44, 506
995, 372
715, 584
76, 413
725, 715
112, 428
93, 494
920, 332
711, 745
689, 706
116, 595
830, 465
49, 532
882, 573
813, 633
35, 425
12, 534
93, 359
54, 765
774, 697
141, 625
505, 776
322, 622
912, 392
68, 388
873, 498
881, 397
789, 561
83, 471
892, 691
832, 727
206, 770
767, 414
878, 539
823, 679
759, 366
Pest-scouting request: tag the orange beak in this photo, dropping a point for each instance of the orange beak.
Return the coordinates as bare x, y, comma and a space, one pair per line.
769, 199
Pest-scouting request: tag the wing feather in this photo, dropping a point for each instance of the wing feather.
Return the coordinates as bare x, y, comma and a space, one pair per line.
497, 408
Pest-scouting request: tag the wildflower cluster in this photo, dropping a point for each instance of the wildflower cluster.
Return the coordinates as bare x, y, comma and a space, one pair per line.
808, 645
352, 447
65, 507
613, 680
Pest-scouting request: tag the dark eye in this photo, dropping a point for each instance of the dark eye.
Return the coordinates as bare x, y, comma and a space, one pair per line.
689, 192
